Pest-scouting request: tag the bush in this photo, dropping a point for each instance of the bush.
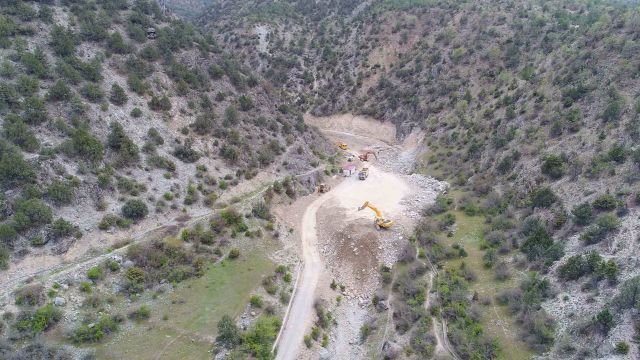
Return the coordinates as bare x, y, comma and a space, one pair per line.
116, 44
186, 152
14, 170
38, 321
228, 332
603, 321
622, 347
31, 213
141, 313
92, 92
19, 133
629, 294
605, 202
59, 92
60, 193
118, 95
617, 153
543, 197
553, 166
8, 234
86, 145
95, 273
136, 112
63, 41
605, 224
29, 295
27, 85
35, 112
582, 214
245, 103
134, 280
234, 253
96, 332
61, 228
4, 257
256, 301
160, 104
134, 209
259, 339
127, 150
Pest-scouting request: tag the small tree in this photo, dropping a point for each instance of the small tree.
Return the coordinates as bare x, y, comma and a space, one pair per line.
118, 95
228, 332
135, 209
553, 166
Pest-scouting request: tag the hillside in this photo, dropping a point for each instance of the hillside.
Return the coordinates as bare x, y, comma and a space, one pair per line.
124, 122
530, 110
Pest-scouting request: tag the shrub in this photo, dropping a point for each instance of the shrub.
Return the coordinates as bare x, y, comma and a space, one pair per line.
31, 213
95, 273
234, 253
16, 131
61, 228
186, 152
60, 193
582, 214
38, 321
617, 153
92, 92
35, 63
160, 104
256, 301
605, 202
543, 197
259, 339
245, 103
553, 166
228, 333
14, 170
116, 44
135, 209
35, 111
118, 95
63, 41
86, 145
603, 321
30, 295
90, 332
629, 294
134, 280
136, 112
622, 347
4, 257
85, 287
27, 85
141, 313
59, 92
261, 210
127, 150
8, 234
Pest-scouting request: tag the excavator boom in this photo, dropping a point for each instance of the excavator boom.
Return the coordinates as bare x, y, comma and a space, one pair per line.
379, 221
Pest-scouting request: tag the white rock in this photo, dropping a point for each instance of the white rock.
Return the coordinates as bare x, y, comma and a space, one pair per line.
59, 301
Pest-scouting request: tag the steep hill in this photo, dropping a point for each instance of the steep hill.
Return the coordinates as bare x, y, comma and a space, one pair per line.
530, 110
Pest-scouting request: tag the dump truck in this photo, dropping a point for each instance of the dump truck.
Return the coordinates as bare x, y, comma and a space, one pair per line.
379, 222
364, 173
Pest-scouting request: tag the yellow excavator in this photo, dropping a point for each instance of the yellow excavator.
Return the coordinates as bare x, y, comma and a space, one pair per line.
343, 146
378, 221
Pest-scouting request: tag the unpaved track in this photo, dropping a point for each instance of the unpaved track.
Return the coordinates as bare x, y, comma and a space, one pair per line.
300, 313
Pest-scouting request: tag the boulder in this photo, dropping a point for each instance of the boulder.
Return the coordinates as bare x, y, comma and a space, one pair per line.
59, 301
127, 264
324, 354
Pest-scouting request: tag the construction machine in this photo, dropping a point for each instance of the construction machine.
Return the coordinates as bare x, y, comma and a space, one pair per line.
365, 156
378, 221
343, 146
323, 188
364, 173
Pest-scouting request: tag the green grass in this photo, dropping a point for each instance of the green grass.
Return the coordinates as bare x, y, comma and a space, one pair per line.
193, 311
496, 321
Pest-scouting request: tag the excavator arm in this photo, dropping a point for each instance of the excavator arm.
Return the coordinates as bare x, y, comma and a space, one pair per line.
375, 209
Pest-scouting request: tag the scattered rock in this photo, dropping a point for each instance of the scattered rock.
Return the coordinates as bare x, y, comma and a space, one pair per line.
324, 354
127, 264
59, 301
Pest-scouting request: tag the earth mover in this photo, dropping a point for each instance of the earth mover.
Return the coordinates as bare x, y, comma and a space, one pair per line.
379, 222
343, 146
365, 156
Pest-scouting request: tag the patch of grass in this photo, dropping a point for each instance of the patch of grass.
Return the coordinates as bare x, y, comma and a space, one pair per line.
469, 234
196, 306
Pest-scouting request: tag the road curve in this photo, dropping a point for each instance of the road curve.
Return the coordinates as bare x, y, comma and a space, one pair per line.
299, 316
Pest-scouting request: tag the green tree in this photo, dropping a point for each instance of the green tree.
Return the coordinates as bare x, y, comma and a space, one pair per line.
228, 332
135, 209
35, 111
87, 146
118, 95
31, 213
63, 41
553, 166
582, 214
59, 92
19, 133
